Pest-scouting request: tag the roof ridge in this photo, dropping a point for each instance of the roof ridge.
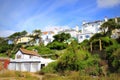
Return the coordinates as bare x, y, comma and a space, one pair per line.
25, 51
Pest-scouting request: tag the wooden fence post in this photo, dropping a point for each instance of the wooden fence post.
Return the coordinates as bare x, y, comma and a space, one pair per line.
91, 46
100, 44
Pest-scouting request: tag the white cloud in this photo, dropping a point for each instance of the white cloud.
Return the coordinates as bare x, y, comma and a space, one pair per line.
107, 3
6, 33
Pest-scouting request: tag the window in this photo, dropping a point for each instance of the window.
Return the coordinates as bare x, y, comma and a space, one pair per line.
87, 36
18, 56
46, 37
81, 37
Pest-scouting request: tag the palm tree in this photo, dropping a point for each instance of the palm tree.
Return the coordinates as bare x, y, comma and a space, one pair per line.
37, 36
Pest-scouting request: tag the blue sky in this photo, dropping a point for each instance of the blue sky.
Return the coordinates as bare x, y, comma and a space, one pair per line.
19, 15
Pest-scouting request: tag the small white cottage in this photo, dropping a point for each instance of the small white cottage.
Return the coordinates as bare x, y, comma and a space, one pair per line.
26, 60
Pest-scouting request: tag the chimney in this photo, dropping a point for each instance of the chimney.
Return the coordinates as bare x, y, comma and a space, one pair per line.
106, 19
77, 28
116, 20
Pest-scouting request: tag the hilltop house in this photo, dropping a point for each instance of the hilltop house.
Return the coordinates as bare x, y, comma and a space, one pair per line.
72, 32
89, 29
116, 32
24, 40
26, 60
47, 37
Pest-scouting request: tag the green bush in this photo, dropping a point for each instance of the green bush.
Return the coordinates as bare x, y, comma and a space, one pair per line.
76, 61
116, 60
51, 68
109, 50
57, 45
3, 55
41, 49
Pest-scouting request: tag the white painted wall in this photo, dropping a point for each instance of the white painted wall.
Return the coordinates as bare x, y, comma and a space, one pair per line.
25, 56
82, 37
49, 36
89, 29
30, 65
17, 54
93, 27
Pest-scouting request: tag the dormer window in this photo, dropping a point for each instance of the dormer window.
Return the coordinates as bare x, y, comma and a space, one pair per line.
18, 56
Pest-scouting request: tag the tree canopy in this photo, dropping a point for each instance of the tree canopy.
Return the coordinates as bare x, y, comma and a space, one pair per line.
18, 34
108, 26
61, 37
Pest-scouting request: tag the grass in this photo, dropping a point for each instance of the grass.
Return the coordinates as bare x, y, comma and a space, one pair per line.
16, 75
79, 76
3, 55
68, 75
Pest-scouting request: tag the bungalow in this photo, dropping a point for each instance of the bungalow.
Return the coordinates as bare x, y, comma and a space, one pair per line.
26, 60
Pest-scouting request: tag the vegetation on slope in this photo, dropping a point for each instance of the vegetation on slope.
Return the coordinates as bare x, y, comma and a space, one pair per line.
17, 75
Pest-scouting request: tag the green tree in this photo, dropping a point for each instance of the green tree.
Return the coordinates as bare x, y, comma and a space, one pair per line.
61, 37
37, 36
23, 33
108, 26
42, 50
116, 60
17, 35
57, 45
5, 48
14, 35
75, 59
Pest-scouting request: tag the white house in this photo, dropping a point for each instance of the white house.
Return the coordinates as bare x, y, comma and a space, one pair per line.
89, 29
26, 60
47, 37
24, 39
82, 36
72, 32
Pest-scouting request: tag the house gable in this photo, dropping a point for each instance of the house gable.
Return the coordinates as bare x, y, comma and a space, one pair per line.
26, 54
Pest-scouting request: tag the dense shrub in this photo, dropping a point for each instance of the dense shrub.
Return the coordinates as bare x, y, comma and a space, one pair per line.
57, 45
74, 59
109, 50
41, 49
61, 37
116, 60
51, 68
113, 57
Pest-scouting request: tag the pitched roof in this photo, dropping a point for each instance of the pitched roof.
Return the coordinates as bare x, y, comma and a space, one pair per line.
28, 52
47, 32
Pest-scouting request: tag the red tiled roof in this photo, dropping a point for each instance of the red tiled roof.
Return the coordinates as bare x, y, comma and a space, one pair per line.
25, 51
45, 32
